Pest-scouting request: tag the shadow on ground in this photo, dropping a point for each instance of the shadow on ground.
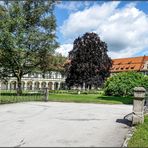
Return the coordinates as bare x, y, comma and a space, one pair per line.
127, 120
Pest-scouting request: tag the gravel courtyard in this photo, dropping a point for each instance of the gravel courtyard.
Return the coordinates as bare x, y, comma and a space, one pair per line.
62, 124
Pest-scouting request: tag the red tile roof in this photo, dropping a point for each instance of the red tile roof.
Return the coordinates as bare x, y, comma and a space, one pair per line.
128, 64
125, 64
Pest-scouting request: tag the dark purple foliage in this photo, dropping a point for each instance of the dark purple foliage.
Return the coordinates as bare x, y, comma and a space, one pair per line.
89, 62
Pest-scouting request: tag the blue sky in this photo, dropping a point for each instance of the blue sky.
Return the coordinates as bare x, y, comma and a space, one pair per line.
123, 25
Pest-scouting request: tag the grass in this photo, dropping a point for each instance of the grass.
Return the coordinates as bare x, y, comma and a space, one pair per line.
90, 98
11, 97
82, 98
140, 137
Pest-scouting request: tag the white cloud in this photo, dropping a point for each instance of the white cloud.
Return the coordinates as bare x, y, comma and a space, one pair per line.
64, 49
124, 30
73, 5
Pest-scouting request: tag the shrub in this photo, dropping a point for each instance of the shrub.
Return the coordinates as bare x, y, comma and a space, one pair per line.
122, 84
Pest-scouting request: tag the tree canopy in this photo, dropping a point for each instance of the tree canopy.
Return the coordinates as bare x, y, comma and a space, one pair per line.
27, 37
89, 63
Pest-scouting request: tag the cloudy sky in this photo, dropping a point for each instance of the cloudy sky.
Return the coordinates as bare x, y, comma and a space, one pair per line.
122, 25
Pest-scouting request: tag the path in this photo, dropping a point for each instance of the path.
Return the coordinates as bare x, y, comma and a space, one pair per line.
62, 124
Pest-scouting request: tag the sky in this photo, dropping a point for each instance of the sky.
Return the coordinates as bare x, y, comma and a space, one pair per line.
123, 25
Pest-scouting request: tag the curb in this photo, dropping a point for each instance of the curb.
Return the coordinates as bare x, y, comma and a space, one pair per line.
128, 137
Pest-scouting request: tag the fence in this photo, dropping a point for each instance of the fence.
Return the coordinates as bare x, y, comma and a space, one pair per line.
10, 96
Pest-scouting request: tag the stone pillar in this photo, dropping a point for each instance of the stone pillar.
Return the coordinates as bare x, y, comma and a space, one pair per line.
46, 85
46, 94
8, 85
25, 85
146, 102
146, 98
33, 85
138, 105
59, 85
39, 85
53, 85
84, 86
79, 90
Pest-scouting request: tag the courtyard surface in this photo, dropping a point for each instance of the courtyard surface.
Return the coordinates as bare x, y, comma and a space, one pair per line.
63, 124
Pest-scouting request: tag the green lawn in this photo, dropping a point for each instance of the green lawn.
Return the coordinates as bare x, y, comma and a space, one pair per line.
82, 98
140, 137
90, 98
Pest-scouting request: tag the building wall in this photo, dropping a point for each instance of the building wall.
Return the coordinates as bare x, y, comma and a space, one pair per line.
52, 80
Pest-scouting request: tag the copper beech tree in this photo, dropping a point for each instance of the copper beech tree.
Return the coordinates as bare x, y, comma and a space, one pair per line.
89, 63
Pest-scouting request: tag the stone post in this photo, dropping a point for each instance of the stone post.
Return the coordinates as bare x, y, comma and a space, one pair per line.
40, 85
25, 85
59, 85
46, 94
146, 102
8, 85
138, 105
53, 85
33, 85
79, 90
83, 86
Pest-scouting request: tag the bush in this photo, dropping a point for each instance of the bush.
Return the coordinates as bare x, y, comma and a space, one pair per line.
122, 84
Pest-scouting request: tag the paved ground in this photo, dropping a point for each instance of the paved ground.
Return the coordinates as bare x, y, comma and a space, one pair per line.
62, 124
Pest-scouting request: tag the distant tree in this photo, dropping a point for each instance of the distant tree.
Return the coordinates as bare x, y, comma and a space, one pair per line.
89, 63
27, 37
56, 63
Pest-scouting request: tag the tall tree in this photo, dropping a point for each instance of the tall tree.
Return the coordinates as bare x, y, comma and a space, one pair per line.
55, 63
27, 37
89, 63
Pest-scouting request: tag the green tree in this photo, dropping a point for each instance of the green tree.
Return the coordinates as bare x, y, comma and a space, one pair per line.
56, 63
122, 84
89, 62
27, 37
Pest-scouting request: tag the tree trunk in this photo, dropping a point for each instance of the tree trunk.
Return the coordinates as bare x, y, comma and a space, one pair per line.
19, 88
